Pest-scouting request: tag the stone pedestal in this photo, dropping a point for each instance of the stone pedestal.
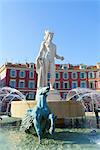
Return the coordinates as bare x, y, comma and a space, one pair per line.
53, 95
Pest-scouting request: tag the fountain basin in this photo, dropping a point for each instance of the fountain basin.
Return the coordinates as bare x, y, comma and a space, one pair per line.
62, 109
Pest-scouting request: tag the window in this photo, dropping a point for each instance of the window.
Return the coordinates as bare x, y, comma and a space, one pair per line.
31, 85
31, 74
98, 84
13, 83
57, 85
74, 75
98, 74
74, 84
83, 66
21, 84
31, 65
66, 85
83, 75
91, 74
13, 73
92, 84
64, 96
83, 84
31, 95
57, 75
22, 74
65, 75
65, 67
2, 83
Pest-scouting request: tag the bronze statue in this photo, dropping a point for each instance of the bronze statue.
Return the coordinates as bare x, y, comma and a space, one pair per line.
40, 117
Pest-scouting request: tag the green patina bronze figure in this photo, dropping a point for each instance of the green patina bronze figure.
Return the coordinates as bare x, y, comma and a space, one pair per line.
40, 117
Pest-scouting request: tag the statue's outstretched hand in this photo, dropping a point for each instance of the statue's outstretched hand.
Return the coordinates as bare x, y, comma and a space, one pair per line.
62, 58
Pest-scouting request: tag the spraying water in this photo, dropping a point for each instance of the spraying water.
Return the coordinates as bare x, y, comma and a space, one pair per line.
8, 94
85, 95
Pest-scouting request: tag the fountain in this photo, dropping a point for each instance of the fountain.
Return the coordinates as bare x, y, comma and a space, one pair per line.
85, 95
72, 107
82, 94
75, 95
7, 95
73, 138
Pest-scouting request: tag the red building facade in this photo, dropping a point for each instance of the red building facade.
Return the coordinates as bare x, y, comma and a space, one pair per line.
24, 78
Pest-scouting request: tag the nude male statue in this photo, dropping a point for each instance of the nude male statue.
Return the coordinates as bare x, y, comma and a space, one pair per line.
45, 62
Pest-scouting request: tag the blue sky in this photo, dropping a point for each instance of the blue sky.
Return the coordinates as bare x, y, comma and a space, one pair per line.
75, 23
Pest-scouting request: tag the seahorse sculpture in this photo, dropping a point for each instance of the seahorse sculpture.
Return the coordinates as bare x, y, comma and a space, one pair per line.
40, 117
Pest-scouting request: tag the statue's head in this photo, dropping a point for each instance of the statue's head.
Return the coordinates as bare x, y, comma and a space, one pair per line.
48, 34
44, 90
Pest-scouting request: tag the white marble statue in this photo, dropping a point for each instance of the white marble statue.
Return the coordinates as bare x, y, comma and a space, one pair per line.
45, 62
